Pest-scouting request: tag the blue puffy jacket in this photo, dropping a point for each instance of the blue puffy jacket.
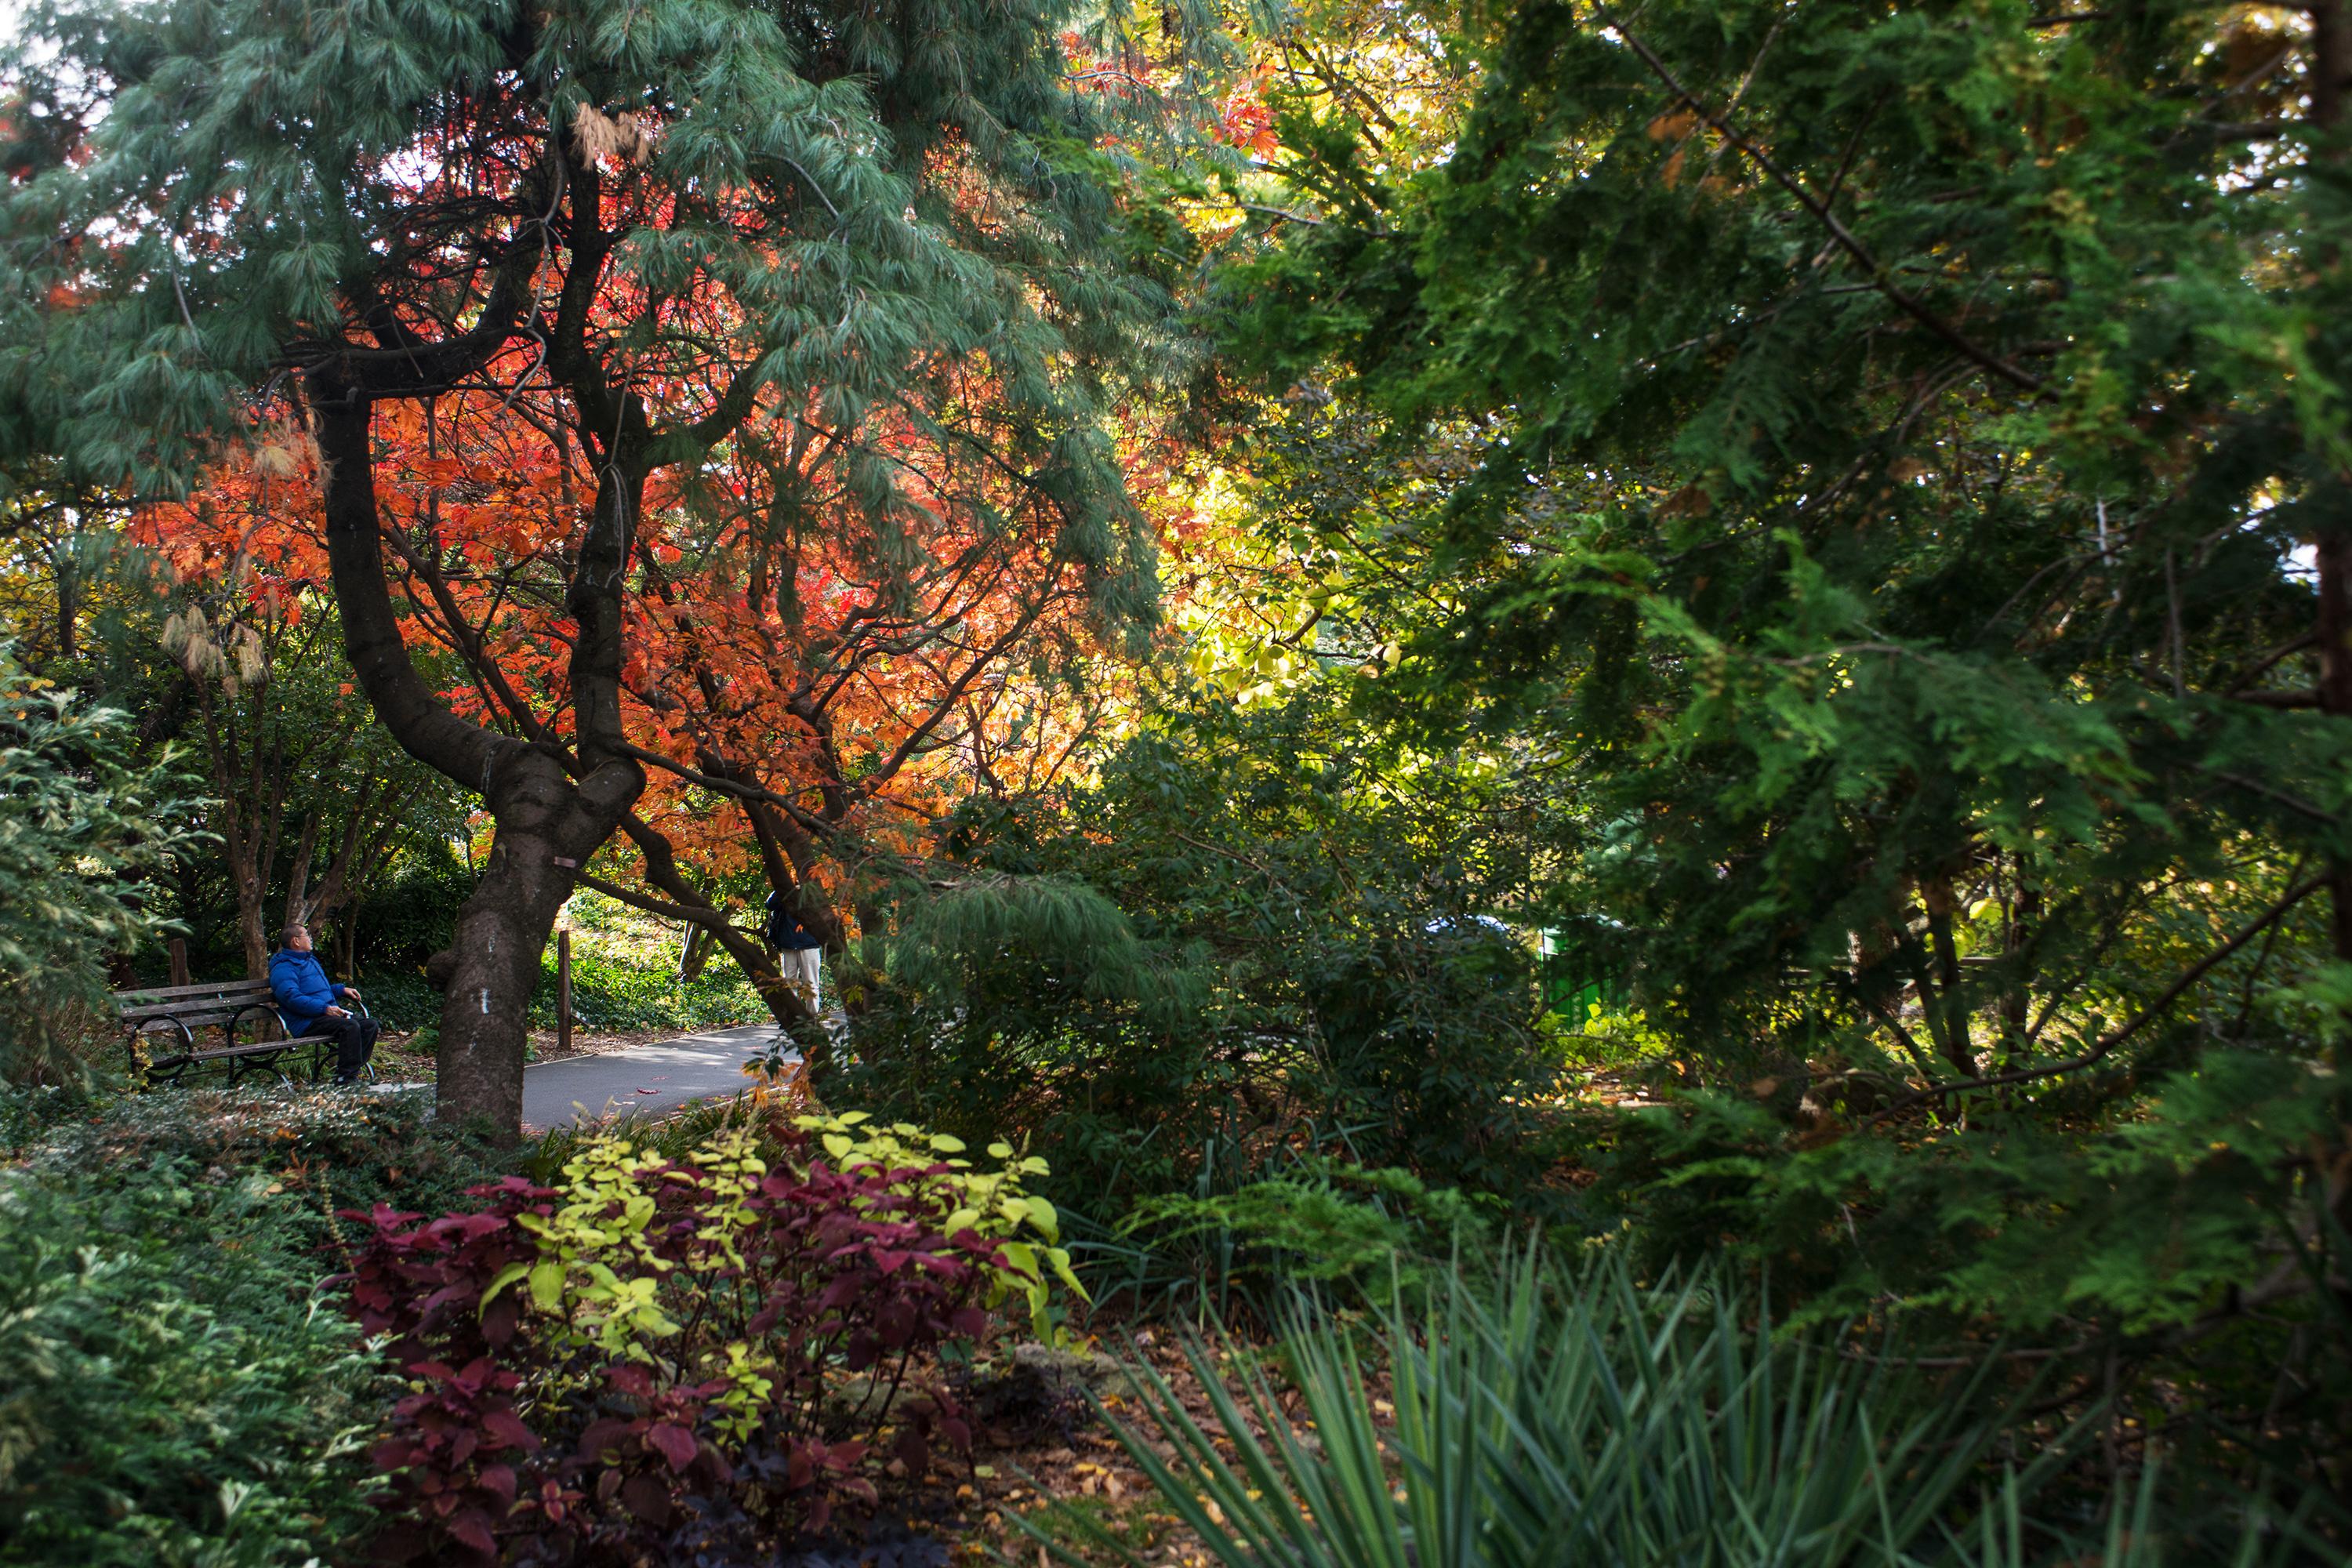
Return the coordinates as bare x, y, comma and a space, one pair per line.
302, 984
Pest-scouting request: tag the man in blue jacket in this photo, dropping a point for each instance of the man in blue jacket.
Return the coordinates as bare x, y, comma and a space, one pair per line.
306, 994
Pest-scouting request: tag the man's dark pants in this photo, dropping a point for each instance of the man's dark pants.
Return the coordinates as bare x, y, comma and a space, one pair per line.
354, 1043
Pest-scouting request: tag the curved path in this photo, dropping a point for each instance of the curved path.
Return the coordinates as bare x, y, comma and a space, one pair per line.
644, 1077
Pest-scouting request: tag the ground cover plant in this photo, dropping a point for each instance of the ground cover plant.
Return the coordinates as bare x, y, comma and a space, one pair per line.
627, 973
178, 1392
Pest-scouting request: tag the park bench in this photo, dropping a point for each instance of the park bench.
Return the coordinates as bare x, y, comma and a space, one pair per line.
163, 1024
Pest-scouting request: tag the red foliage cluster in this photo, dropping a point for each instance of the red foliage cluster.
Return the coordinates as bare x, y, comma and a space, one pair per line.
525, 1441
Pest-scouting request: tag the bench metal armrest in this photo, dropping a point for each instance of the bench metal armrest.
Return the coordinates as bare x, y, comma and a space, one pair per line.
153, 1026
237, 1019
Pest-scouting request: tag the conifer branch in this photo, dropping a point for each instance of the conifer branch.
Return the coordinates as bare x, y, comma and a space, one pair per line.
2107, 1043
1843, 237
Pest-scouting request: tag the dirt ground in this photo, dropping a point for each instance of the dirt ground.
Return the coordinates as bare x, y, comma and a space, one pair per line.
1042, 1453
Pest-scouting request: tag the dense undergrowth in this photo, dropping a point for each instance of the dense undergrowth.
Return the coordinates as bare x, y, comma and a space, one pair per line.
189, 1385
272, 1327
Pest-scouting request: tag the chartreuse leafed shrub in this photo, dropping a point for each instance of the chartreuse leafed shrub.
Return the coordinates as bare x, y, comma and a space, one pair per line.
994, 1204
173, 1392
655, 1355
1557, 1415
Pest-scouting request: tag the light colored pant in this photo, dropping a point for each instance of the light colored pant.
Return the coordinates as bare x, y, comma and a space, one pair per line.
801, 967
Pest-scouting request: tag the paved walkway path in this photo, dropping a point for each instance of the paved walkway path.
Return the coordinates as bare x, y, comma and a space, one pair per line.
644, 1077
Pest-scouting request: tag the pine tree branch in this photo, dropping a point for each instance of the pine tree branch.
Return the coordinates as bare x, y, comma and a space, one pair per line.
2255, 786
2269, 661
2107, 1043
1843, 237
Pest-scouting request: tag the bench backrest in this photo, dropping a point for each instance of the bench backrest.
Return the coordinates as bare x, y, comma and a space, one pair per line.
193, 1005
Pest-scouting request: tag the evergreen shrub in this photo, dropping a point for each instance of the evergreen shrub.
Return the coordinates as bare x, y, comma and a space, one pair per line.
1249, 940
173, 1391
82, 822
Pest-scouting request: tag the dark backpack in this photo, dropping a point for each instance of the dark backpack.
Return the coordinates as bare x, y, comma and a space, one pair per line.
785, 931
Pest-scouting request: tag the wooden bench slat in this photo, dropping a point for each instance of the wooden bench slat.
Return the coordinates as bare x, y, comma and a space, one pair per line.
190, 1004
174, 1010
165, 993
217, 994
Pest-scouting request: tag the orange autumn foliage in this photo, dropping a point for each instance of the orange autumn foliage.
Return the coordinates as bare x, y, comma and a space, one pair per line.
862, 676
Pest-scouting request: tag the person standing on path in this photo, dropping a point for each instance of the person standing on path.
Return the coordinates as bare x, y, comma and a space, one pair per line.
800, 952
306, 994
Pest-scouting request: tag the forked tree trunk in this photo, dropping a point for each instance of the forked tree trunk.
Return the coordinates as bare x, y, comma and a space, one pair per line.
551, 811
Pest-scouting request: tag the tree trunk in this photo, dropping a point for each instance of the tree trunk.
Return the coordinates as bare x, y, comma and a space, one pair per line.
548, 822
2331, 79
69, 606
298, 882
542, 838
250, 933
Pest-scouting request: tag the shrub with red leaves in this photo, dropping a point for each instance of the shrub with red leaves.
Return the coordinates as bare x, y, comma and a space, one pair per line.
563, 1410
